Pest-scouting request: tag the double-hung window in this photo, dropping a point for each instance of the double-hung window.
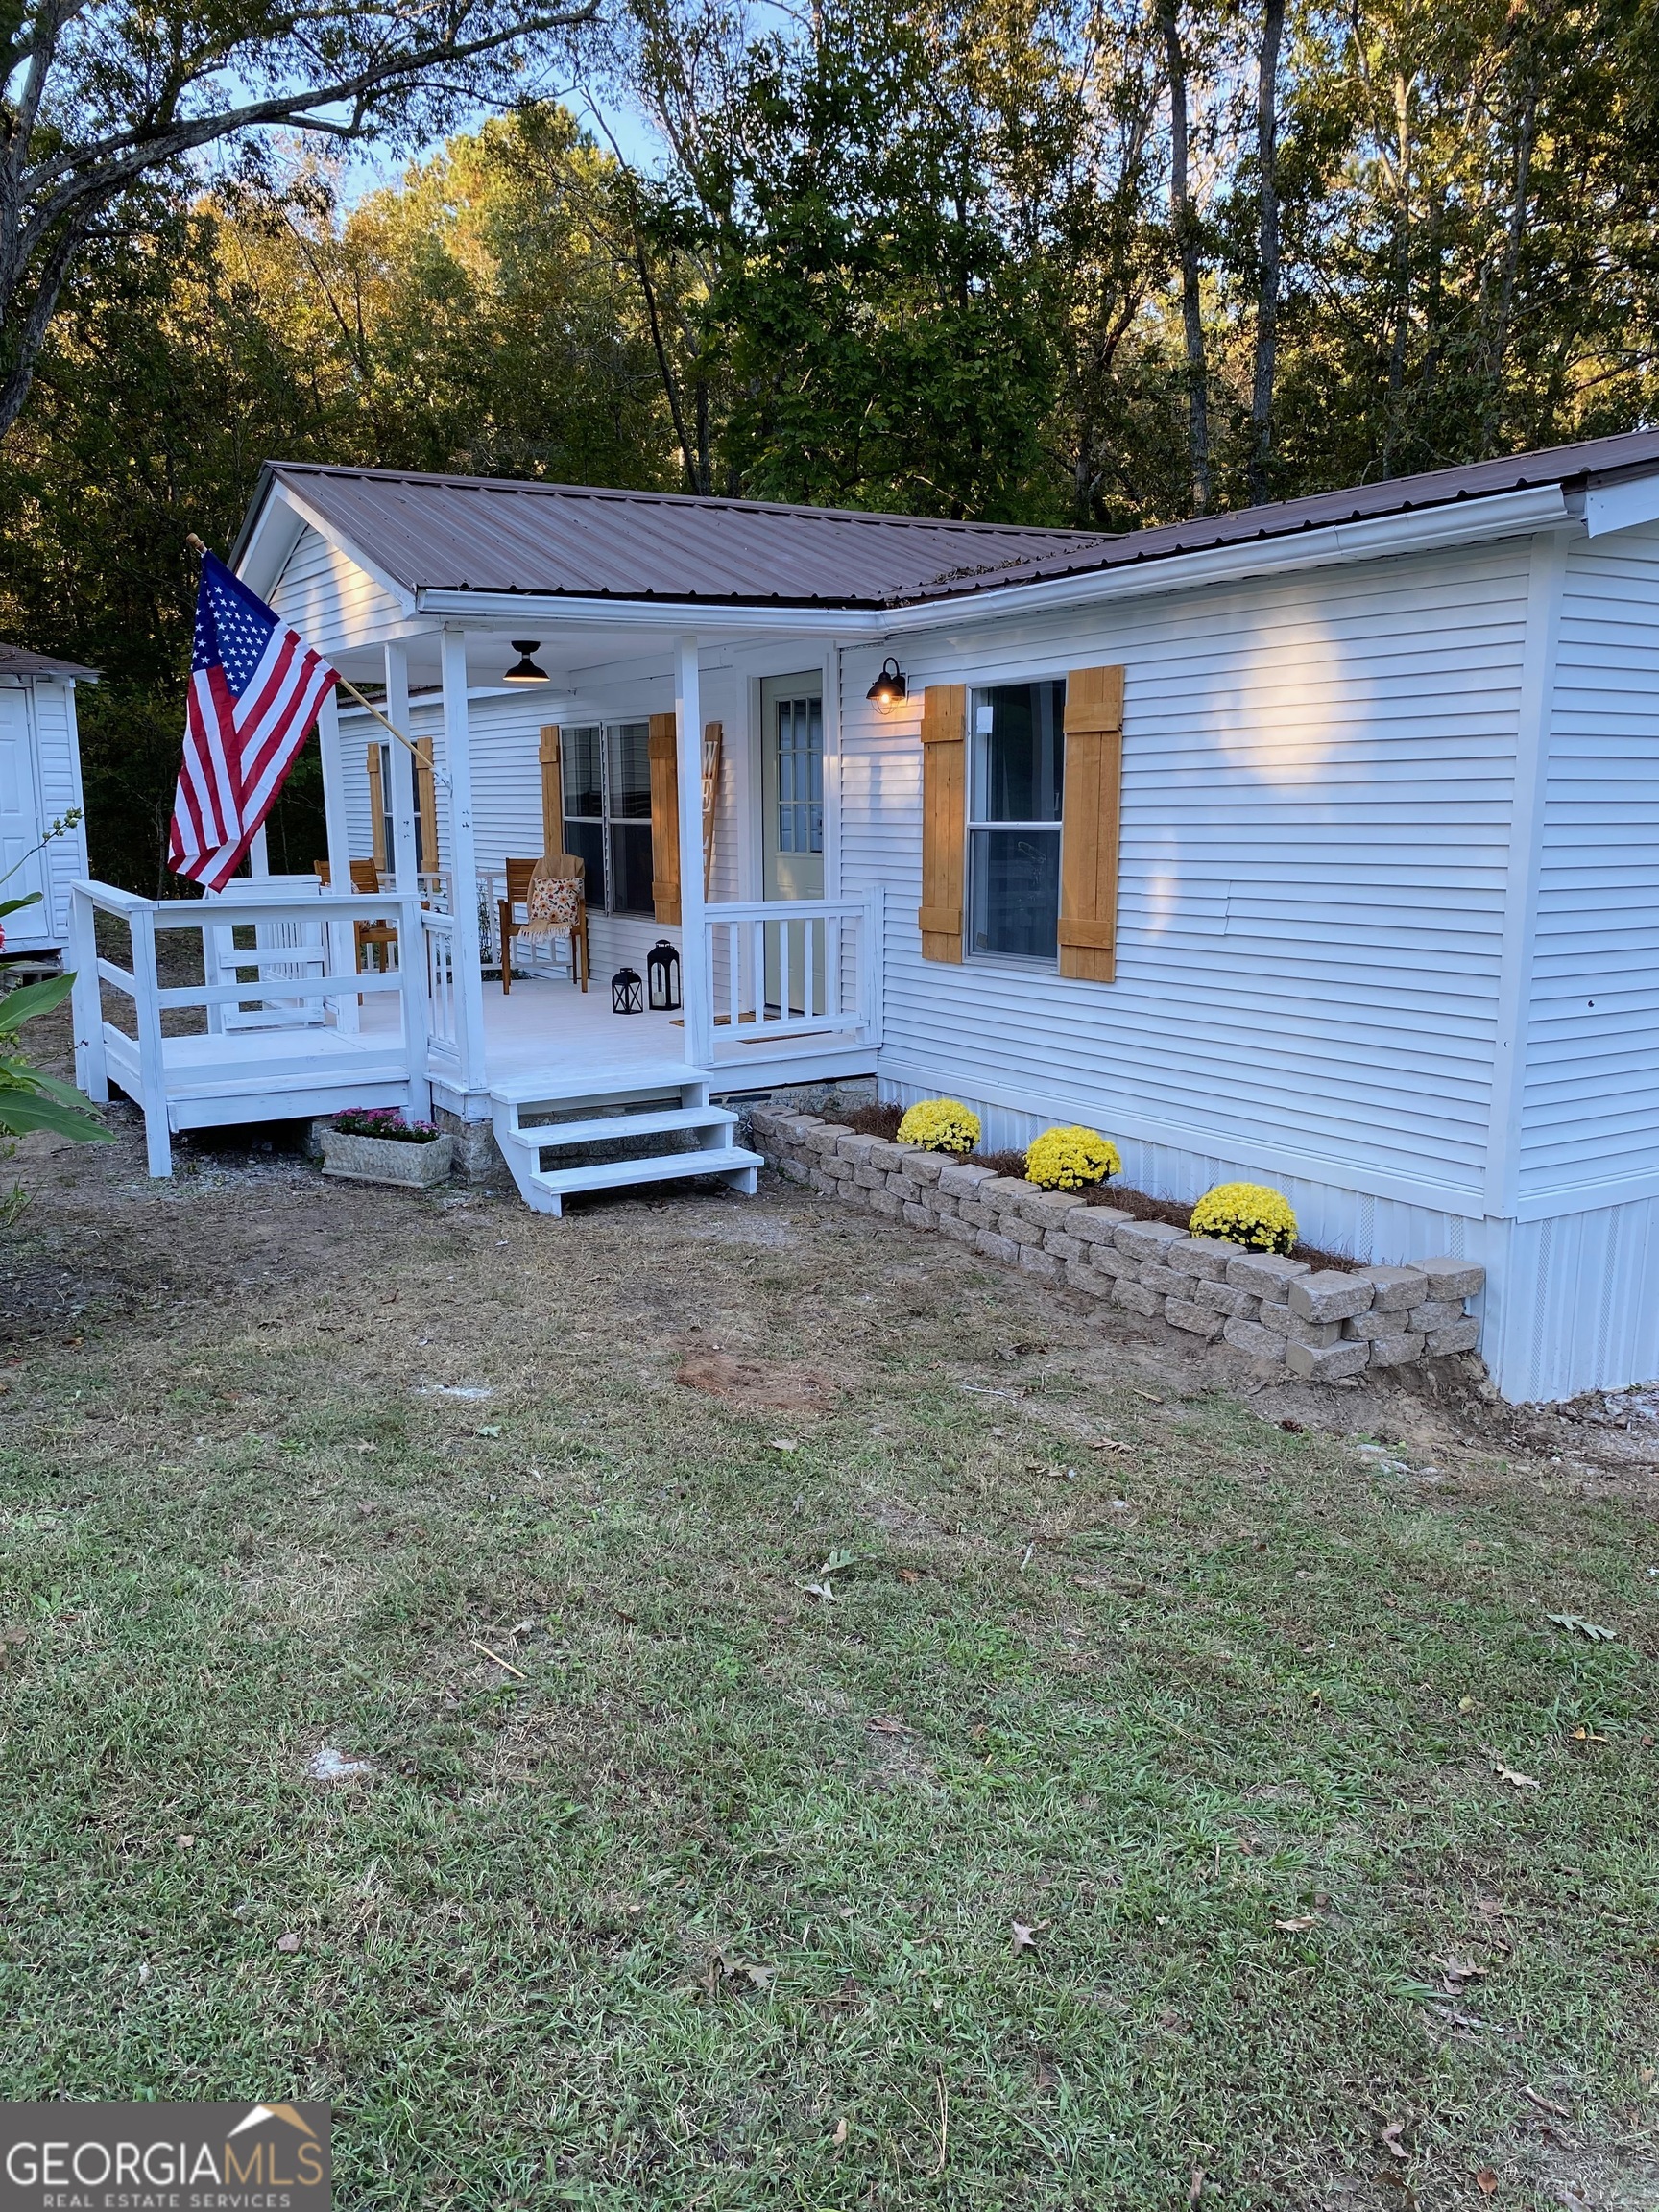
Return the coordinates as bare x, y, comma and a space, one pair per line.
1017, 758
607, 772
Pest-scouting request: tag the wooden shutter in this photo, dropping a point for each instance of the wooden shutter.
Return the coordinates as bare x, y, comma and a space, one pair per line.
944, 818
377, 806
426, 794
552, 792
664, 818
1090, 823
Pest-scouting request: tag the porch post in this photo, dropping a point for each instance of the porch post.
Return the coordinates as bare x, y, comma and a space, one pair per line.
695, 980
463, 861
403, 854
341, 941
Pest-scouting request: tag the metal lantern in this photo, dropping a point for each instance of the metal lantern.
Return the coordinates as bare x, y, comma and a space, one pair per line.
662, 978
626, 993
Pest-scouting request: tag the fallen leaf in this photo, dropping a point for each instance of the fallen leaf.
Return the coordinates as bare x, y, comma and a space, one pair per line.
1389, 2138
783, 1444
1465, 1704
760, 1976
1293, 1428
820, 1590
1294, 1927
185, 1842
489, 1428
1486, 2181
884, 1725
1455, 1972
838, 1562
1111, 1444
289, 1942
839, 2138
1509, 1774
1025, 1935
1590, 1630
909, 1575
1544, 2104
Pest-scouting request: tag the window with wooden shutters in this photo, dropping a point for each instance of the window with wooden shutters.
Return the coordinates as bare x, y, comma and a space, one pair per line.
552, 792
944, 818
1014, 781
664, 819
1088, 927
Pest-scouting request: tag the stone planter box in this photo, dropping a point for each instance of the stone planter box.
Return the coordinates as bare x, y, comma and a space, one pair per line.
388, 1159
1319, 1327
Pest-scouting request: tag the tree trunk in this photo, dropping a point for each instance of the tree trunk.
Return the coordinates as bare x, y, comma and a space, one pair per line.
1184, 223
1267, 247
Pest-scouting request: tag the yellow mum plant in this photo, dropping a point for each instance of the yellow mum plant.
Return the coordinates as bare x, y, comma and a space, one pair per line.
1071, 1158
1253, 1215
940, 1125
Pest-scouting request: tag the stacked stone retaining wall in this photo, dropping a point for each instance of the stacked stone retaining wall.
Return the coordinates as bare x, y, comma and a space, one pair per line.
1320, 1325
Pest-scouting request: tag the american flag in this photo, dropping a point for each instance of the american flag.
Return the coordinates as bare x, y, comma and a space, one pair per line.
255, 687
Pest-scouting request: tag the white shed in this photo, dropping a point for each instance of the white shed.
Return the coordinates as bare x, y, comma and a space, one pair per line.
1312, 844
39, 783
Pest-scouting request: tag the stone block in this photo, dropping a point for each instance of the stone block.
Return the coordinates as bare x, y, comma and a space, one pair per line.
884, 1202
976, 1215
922, 1166
1396, 1347
1005, 1193
1048, 1209
1064, 1247
838, 1170
1094, 1224
1330, 1295
1205, 1257
1367, 1328
1326, 1363
1265, 1274
1022, 1231
1147, 1239
850, 1147
869, 1177
1457, 1336
919, 1216
1034, 1261
827, 1183
1164, 1281
826, 1137
907, 1192
1222, 1298
1394, 1289
1450, 1278
1187, 1313
1433, 1314
993, 1247
1107, 1259
795, 1170
1136, 1298
1275, 1317
959, 1232
1088, 1280
961, 1179
1250, 1336
888, 1156
1317, 1334
940, 1204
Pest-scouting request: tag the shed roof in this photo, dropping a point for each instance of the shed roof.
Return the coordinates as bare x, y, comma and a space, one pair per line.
18, 660
490, 534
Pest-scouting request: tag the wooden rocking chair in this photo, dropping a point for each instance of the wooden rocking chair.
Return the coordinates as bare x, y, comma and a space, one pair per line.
520, 874
379, 937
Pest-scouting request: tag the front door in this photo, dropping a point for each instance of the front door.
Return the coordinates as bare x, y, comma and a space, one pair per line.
792, 828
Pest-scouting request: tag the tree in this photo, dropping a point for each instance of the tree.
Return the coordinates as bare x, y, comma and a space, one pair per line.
98, 97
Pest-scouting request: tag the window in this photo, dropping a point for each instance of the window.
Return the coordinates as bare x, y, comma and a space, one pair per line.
1014, 793
608, 812
395, 762
800, 775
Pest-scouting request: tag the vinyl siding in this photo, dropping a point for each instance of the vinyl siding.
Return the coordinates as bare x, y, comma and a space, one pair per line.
1589, 1112
1317, 782
329, 600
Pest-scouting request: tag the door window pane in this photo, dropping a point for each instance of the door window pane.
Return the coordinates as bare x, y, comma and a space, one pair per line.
1015, 795
800, 775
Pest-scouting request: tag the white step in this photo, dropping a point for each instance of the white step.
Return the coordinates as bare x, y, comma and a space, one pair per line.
649, 1080
666, 1167
606, 1128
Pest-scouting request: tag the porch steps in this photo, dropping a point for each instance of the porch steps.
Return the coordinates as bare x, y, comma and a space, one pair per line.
648, 1101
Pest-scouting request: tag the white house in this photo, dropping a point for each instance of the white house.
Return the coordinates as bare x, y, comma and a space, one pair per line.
1312, 844
39, 783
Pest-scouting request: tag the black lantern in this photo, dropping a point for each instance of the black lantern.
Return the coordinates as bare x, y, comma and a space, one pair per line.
626, 993
524, 670
889, 687
662, 978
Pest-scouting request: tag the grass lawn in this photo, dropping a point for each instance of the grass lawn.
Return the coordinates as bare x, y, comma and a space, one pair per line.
894, 1794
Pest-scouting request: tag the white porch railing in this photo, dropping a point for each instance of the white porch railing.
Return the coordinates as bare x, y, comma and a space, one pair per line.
295, 982
802, 968
442, 1013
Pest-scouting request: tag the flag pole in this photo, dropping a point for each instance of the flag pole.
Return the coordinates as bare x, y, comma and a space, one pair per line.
345, 684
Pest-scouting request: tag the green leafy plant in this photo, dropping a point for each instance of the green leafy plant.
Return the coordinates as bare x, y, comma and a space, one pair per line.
29, 1099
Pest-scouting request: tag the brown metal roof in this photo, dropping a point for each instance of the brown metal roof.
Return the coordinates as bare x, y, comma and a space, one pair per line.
486, 534
18, 660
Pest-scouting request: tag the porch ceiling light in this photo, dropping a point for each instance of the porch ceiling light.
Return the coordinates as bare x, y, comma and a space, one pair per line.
524, 670
888, 689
